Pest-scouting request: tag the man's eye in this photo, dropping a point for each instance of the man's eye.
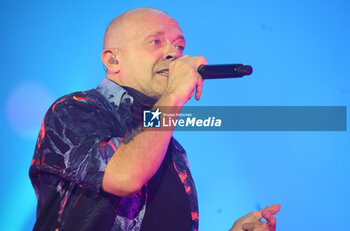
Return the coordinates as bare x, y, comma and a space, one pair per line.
180, 48
156, 42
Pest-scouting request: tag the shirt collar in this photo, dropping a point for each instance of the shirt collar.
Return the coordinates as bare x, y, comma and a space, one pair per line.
113, 92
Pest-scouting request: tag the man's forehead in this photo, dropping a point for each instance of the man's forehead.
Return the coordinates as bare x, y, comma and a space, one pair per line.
153, 22
148, 14
138, 24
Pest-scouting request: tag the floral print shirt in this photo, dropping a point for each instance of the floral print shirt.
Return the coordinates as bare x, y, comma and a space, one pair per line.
79, 134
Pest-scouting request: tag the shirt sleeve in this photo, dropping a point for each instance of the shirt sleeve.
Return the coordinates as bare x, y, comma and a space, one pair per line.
76, 141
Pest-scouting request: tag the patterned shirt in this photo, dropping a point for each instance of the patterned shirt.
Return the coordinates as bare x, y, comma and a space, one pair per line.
79, 134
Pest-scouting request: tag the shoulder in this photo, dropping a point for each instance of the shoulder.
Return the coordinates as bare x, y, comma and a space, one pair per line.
90, 99
82, 111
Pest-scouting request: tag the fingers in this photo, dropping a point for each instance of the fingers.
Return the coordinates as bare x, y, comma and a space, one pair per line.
183, 57
184, 80
271, 220
247, 226
273, 209
199, 88
252, 220
256, 226
255, 215
200, 61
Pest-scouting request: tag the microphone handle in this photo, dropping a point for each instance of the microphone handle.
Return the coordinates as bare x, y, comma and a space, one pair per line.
224, 71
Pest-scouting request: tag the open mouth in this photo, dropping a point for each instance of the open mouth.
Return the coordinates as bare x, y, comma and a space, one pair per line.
164, 72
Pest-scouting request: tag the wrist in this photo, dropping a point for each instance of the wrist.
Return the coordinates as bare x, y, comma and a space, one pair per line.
171, 100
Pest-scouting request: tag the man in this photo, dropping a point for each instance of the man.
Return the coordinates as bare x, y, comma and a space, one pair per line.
95, 168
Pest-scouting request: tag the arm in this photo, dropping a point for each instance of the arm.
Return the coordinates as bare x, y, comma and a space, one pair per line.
136, 161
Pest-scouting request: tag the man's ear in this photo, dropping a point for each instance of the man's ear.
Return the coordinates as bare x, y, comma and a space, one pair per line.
110, 59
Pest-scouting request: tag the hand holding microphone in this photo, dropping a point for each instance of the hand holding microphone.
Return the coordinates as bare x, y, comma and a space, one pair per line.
183, 82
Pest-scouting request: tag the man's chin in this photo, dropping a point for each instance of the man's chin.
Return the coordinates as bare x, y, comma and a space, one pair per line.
155, 92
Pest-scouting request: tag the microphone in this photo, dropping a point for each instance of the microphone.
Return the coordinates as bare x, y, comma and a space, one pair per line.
224, 71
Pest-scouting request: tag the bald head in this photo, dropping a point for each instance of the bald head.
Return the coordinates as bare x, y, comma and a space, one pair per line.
138, 44
115, 32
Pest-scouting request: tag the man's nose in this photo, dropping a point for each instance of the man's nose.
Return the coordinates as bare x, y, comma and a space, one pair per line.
170, 52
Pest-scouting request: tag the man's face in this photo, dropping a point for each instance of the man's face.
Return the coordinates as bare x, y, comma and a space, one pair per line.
151, 41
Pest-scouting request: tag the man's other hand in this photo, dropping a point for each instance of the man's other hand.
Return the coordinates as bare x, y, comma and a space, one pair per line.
251, 221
